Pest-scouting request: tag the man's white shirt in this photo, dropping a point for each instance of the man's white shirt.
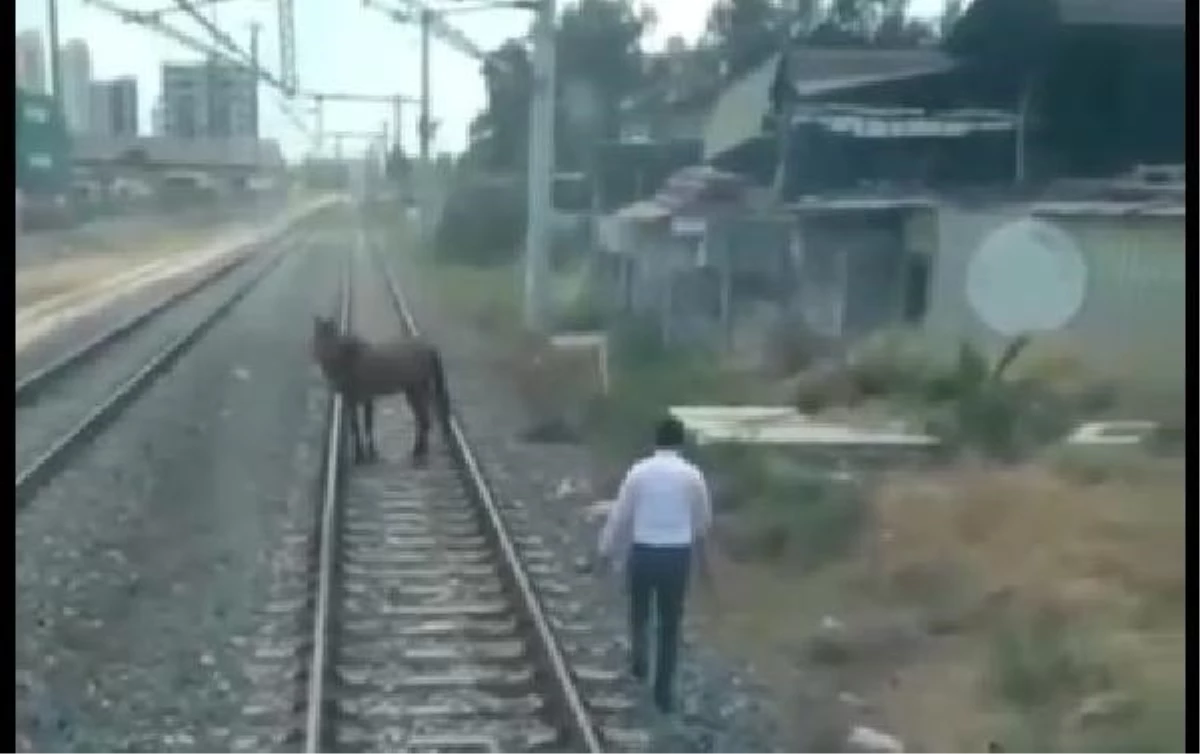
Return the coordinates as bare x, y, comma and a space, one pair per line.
663, 501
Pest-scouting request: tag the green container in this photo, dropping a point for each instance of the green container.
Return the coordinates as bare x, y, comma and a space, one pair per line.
43, 147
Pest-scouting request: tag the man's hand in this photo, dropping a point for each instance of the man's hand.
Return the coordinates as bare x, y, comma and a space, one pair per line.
704, 565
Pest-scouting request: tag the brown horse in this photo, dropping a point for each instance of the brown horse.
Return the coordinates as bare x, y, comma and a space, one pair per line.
360, 372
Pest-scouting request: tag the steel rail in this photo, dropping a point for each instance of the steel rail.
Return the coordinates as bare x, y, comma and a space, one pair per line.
314, 723
51, 460
582, 728
30, 387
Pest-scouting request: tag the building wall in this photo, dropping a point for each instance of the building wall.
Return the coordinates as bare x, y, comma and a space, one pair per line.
851, 276
31, 62
184, 101
208, 100
101, 118
124, 94
1131, 323
77, 85
114, 108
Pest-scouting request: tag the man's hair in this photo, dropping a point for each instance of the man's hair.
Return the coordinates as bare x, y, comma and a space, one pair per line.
669, 433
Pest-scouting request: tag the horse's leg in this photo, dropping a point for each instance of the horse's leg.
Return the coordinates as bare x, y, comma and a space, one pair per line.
369, 420
420, 410
355, 431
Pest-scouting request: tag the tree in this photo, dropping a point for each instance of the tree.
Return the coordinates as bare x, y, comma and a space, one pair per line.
951, 11
875, 23
897, 29
599, 64
499, 133
745, 32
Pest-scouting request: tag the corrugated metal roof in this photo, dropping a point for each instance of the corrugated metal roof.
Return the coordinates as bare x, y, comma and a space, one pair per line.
643, 211
739, 113
1150, 13
780, 425
1110, 208
817, 70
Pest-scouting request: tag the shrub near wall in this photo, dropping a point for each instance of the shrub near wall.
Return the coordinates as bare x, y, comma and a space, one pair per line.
482, 223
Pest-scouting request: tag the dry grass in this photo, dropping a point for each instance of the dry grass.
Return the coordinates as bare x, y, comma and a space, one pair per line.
1037, 537
1107, 558
490, 296
1040, 594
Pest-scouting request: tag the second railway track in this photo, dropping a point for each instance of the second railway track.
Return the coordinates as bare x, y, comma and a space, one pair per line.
67, 402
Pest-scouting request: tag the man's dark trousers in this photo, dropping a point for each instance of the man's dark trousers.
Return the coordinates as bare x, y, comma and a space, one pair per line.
661, 573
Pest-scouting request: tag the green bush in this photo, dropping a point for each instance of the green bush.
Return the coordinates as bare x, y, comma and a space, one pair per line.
793, 347
581, 313
897, 363
637, 343
482, 223
1038, 663
781, 510
998, 416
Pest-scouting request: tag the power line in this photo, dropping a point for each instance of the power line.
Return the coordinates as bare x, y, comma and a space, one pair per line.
229, 52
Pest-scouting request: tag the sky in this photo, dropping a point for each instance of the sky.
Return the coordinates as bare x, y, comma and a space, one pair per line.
340, 47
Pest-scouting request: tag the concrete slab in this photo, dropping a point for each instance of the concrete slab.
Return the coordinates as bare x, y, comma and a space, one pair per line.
781, 425
1112, 433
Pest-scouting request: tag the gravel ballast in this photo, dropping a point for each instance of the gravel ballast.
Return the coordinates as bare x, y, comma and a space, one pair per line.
141, 568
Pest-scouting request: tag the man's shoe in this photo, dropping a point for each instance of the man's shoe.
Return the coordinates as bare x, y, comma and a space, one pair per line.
664, 704
638, 671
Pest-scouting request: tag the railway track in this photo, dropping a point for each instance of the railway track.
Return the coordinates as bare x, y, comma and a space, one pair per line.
64, 404
414, 626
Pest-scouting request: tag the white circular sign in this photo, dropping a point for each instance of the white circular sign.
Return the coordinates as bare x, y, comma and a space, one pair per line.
1027, 276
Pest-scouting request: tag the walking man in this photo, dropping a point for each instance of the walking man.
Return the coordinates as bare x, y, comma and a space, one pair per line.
659, 522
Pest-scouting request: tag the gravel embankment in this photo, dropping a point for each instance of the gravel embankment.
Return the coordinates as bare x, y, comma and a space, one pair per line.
70, 399
36, 248
141, 570
92, 324
719, 706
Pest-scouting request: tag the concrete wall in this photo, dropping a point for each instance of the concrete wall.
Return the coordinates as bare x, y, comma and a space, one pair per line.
851, 278
1131, 325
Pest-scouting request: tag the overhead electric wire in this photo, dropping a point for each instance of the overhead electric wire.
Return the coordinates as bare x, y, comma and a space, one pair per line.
236, 57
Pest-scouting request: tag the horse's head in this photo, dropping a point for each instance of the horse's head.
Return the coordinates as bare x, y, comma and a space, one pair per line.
325, 337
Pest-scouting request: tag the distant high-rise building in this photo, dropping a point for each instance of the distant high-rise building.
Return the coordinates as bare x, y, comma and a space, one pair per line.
76, 62
100, 120
31, 62
208, 100
114, 107
158, 125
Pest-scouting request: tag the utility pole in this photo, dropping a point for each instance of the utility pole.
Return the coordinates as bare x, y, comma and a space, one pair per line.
320, 137
254, 29
55, 69
424, 132
423, 127
540, 168
397, 121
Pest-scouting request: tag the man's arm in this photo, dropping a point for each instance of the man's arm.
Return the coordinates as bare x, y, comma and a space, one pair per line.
702, 527
615, 534
701, 507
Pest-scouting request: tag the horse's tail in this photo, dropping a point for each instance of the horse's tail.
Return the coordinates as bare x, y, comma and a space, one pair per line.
441, 394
